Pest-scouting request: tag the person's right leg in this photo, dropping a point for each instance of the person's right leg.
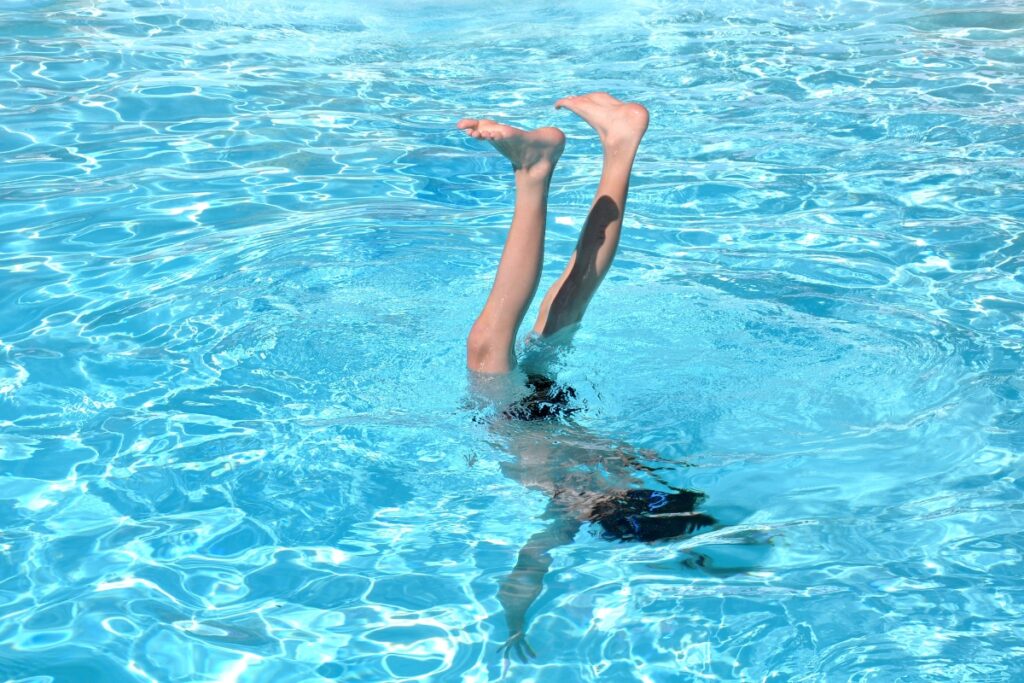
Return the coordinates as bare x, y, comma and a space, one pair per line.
620, 125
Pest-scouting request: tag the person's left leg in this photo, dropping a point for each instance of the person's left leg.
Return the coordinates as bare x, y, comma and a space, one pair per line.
489, 348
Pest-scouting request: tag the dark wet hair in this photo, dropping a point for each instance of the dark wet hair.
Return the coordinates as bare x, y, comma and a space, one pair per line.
645, 515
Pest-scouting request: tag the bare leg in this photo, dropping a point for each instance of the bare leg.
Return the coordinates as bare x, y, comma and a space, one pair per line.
621, 125
533, 154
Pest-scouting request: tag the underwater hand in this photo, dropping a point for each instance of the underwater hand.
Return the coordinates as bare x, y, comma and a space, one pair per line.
516, 645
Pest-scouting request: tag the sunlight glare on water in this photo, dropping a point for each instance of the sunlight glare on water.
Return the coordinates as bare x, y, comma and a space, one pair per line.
241, 244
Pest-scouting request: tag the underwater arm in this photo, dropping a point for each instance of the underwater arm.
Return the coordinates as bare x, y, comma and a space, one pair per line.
521, 587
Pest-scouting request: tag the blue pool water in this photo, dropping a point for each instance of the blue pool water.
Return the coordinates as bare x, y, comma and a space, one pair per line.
240, 248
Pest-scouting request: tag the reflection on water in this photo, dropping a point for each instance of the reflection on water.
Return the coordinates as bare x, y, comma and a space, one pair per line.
240, 249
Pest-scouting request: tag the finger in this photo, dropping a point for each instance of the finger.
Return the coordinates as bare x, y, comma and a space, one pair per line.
505, 666
463, 124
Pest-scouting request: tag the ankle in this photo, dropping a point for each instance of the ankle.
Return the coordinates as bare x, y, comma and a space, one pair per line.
621, 144
539, 171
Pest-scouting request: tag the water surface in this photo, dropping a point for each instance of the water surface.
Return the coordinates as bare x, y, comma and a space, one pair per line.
240, 248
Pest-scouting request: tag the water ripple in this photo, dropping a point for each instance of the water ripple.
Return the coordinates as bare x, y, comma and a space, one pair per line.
241, 244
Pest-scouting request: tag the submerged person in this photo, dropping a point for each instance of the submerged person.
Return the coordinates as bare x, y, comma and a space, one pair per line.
588, 479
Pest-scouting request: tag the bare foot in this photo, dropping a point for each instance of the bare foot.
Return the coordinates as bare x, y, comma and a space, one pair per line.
530, 150
618, 123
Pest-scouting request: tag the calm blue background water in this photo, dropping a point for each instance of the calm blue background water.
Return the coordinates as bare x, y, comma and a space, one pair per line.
240, 248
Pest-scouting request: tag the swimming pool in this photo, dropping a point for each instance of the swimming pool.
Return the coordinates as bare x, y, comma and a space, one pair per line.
241, 244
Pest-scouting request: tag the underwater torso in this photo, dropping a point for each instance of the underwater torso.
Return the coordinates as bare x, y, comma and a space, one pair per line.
632, 514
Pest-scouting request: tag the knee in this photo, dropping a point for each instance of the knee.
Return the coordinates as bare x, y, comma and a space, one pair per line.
478, 346
484, 353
